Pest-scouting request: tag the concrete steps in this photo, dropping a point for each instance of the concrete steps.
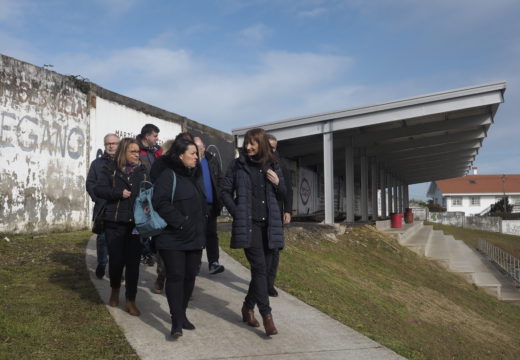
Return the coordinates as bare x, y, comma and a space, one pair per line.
457, 257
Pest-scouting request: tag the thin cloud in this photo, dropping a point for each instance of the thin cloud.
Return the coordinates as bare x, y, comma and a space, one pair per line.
255, 34
281, 85
312, 13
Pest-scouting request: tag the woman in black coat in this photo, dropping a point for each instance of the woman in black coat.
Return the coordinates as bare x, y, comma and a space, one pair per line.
180, 244
250, 191
119, 185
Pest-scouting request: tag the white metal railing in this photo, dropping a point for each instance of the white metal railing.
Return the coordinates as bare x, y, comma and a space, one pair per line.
506, 261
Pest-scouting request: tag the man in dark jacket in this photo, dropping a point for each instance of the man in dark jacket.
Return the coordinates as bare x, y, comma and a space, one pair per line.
211, 175
286, 208
111, 141
147, 140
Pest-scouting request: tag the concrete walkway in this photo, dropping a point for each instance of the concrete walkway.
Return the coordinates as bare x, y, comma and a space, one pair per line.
303, 332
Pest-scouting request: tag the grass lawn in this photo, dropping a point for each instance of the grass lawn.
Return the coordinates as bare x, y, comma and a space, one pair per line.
508, 243
401, 300
49, 309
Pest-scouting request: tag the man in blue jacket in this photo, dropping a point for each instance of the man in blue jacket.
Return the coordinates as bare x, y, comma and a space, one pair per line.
211, 175
111, 141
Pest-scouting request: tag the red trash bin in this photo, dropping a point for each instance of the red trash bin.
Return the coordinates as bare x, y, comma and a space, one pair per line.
396, 220
408, 216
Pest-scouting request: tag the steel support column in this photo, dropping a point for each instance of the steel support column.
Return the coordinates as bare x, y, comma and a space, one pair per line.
390, 194
406, 196
364, 185
382, 175
328, 177
374, 182
395, 195
350, 191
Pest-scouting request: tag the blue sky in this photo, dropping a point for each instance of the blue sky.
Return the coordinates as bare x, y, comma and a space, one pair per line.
230, 63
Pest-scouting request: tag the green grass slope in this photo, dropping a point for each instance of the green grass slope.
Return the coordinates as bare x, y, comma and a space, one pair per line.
49, 308
412, 305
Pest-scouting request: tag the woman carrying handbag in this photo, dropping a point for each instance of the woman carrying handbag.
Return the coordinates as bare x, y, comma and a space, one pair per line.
119, 185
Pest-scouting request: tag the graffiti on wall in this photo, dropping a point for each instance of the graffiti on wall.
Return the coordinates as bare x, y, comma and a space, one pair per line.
31, 134
43, 144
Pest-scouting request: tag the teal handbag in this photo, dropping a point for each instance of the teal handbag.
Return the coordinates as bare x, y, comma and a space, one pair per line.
147, 221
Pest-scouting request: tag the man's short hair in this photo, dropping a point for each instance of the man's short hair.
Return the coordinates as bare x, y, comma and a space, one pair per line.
148, 129
108, 135
271, 137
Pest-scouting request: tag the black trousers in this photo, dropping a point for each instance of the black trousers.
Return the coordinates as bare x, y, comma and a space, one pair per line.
273, 269
124, 251
260, 259
211, 237
181, 270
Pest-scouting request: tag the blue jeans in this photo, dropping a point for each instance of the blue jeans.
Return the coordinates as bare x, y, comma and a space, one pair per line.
102, 249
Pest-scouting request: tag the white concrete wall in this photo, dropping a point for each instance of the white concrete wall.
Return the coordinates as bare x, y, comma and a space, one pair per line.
112, 117
511, 227
43, 150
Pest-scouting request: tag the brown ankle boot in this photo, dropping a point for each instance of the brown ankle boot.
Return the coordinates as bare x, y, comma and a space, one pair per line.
270, 329
158, 286
131, 308
248, 315
114, 298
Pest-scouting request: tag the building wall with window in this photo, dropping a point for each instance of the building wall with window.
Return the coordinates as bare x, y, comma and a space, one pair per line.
471, 204
475, 194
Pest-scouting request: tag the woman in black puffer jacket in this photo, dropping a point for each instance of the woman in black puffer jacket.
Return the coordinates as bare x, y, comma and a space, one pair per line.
251, 189
180, 244
119, 185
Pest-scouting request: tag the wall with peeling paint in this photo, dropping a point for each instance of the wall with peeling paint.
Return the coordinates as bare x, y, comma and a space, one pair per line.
43, 152
51, 128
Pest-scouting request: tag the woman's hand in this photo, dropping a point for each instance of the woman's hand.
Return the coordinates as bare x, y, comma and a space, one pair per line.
272, 177
126, 194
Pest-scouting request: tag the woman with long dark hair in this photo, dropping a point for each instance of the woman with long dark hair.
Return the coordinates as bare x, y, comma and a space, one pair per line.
250, 191
180, 244
119, 184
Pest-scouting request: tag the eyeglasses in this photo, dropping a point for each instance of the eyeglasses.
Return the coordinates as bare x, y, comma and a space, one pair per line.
134, 151
112, 143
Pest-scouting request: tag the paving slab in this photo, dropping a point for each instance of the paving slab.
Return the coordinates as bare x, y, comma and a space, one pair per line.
304, 332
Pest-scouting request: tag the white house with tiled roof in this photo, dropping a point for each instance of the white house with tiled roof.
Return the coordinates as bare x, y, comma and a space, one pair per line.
474, 194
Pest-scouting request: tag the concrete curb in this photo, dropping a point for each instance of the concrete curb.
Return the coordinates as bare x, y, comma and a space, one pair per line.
304, 332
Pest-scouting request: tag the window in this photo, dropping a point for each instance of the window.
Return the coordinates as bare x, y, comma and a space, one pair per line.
514, 200
456, 201
474, 200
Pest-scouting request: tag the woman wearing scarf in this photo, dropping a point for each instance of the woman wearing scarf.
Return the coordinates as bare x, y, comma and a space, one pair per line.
119, 184
180, 244
250, 191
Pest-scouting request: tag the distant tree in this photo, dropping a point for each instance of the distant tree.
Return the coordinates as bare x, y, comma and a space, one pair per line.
434, 207
501, 207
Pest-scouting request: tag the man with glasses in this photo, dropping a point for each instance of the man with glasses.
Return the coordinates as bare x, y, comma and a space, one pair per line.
111, 142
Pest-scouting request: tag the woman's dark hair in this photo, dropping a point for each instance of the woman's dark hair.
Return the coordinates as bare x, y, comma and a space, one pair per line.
179, 147
180, 136
120, 155
259, 136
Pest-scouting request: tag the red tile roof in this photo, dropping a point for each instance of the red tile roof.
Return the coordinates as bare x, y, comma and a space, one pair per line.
471, 184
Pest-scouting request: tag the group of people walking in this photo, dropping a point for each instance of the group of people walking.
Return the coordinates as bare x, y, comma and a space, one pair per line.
189, 192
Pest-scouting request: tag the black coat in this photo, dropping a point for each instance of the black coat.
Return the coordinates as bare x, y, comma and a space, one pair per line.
286, 203
110, 187
236, 194
94, 172
186, 215
216, 178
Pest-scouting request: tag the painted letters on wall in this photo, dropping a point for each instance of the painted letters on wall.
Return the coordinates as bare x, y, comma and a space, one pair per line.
43, 148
